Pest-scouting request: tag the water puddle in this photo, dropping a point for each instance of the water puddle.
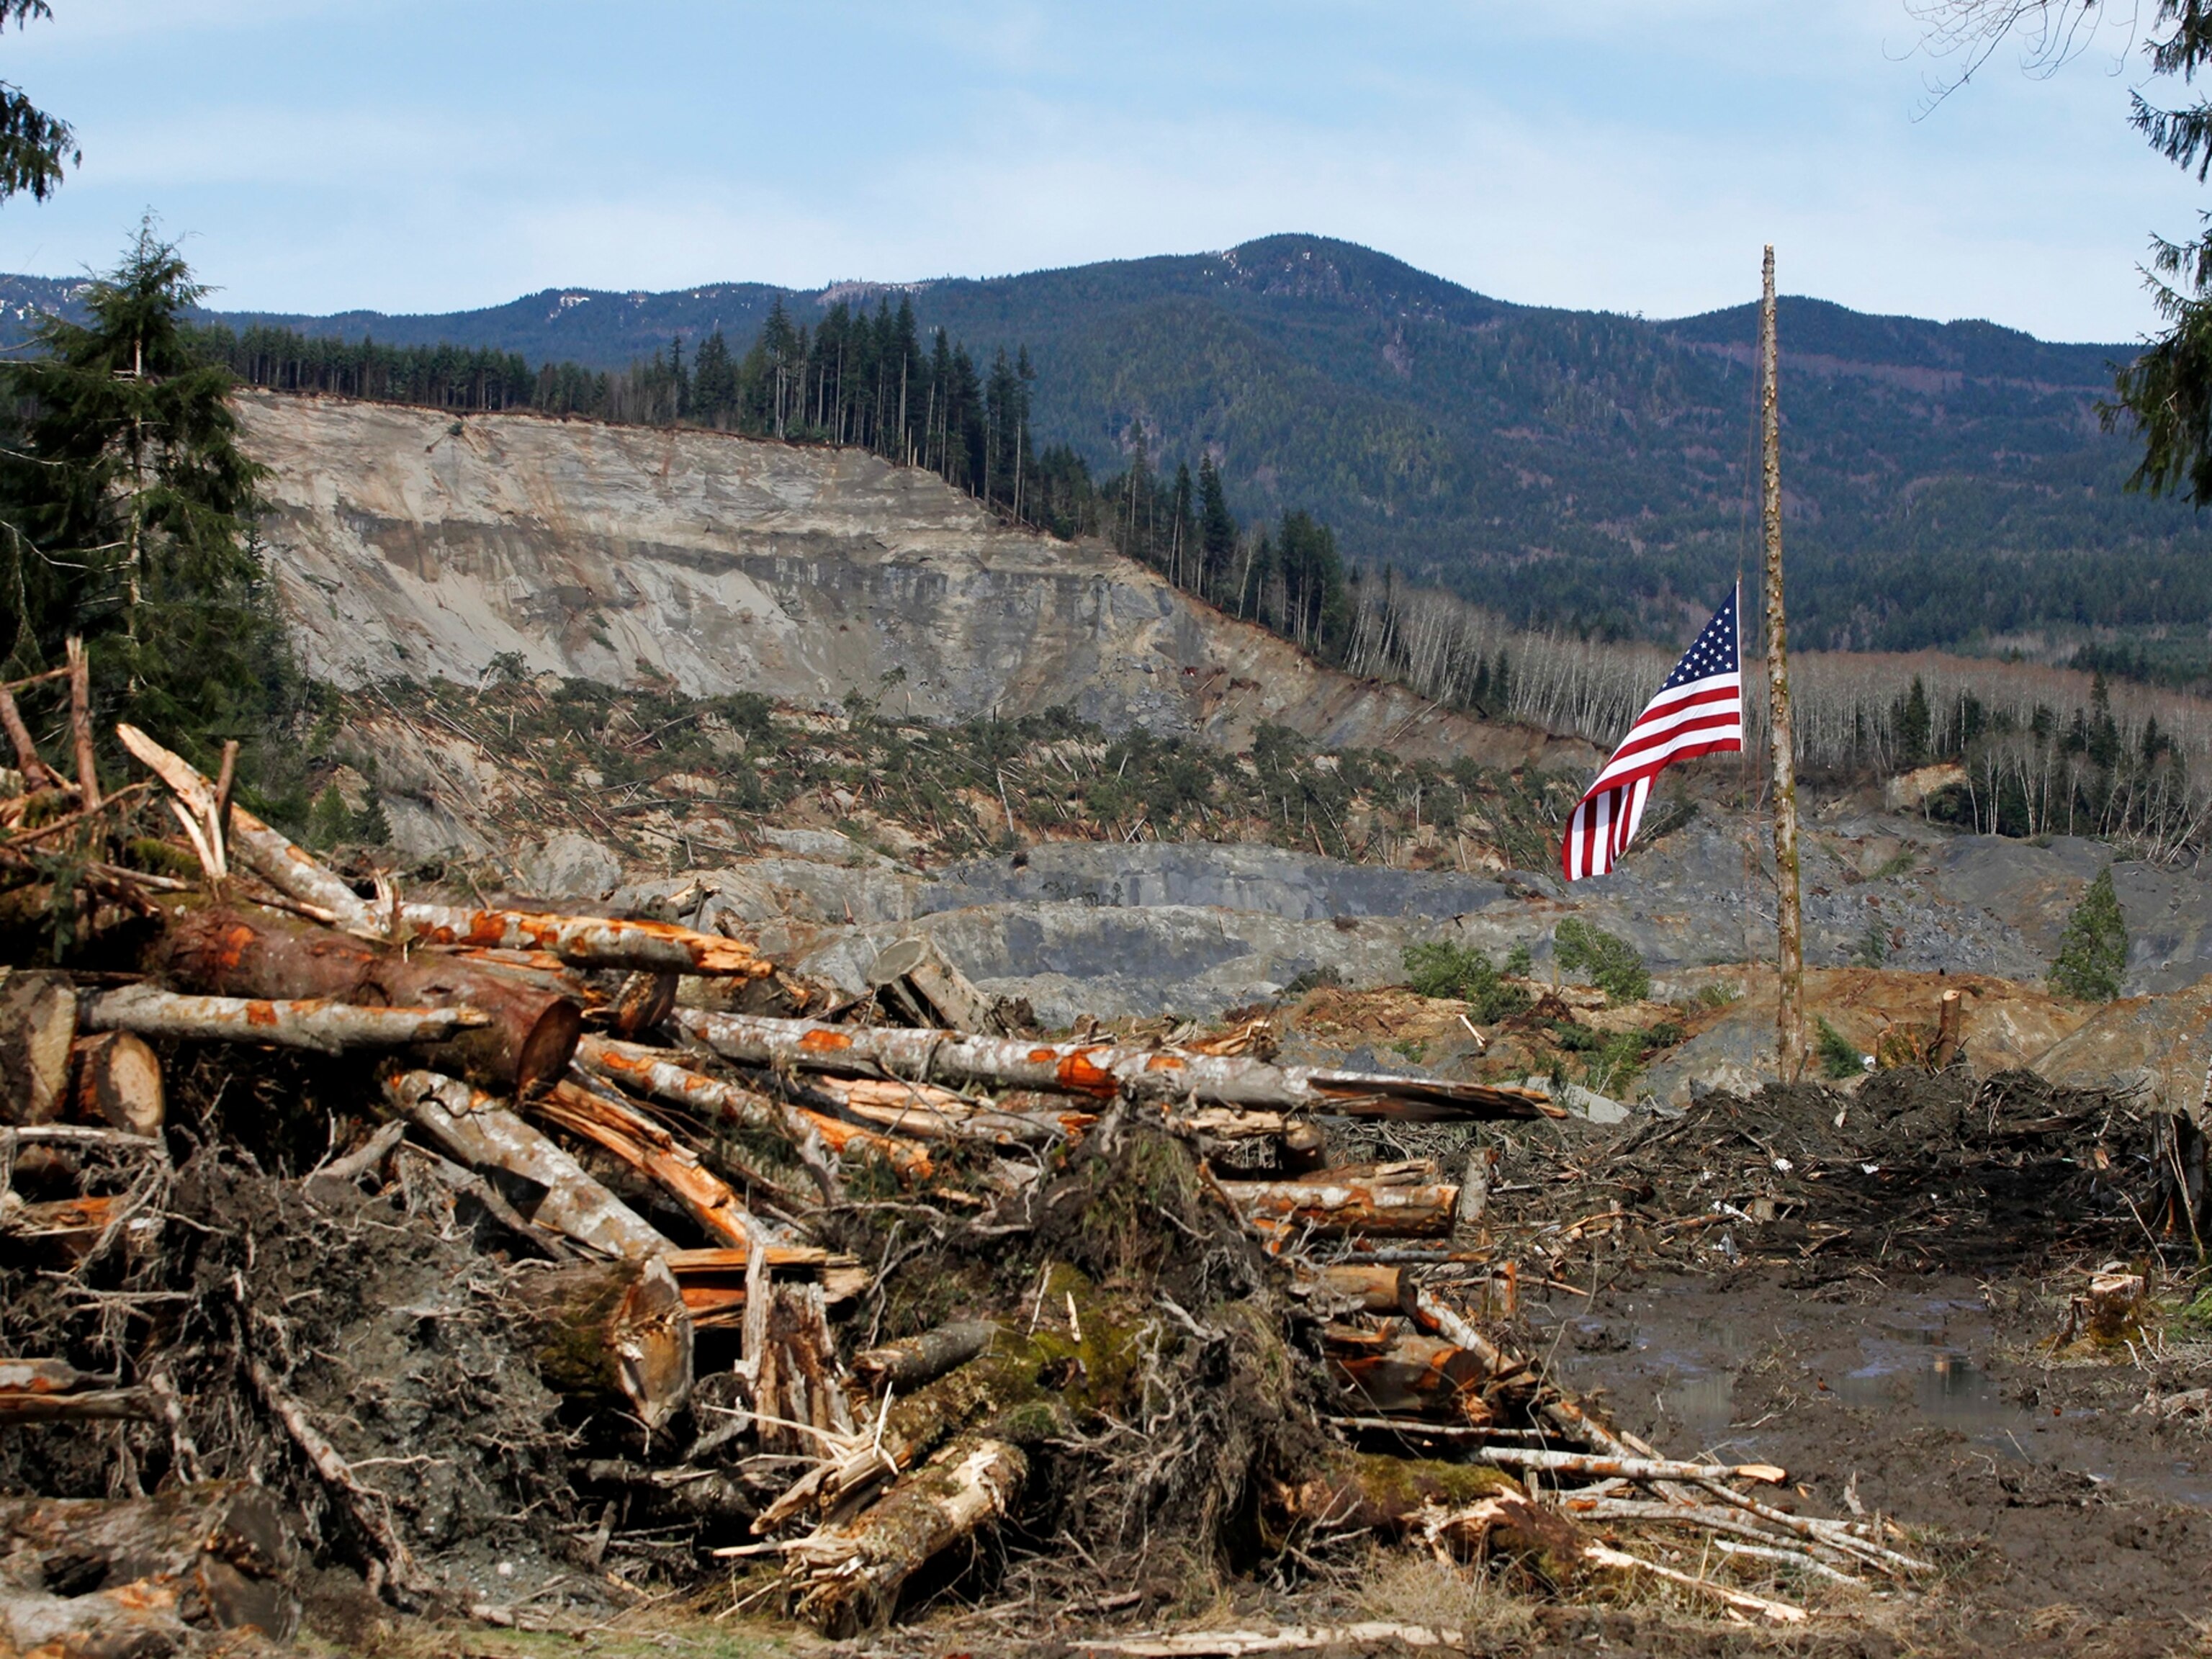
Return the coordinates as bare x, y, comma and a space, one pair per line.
1914, 1354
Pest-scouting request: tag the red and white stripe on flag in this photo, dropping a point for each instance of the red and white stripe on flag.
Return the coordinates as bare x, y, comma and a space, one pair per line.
1699, 711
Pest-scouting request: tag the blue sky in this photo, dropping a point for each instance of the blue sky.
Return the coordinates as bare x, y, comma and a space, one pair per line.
1632, 156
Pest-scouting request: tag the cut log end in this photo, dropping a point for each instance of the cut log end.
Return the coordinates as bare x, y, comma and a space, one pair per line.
611, 1334
119, 1083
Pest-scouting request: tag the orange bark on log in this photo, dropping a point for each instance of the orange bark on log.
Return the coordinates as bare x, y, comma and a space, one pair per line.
1102, 1070
636, 1140
1407, 1375
1356, 1205
656, 1074
586, 941
226, 952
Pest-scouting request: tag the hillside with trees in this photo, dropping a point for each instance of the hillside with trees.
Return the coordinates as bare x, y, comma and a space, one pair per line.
1579, 469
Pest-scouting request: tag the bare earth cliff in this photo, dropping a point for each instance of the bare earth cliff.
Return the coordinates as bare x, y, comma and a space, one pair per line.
407, 542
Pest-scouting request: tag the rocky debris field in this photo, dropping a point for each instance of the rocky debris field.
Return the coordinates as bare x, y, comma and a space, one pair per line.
404, 1271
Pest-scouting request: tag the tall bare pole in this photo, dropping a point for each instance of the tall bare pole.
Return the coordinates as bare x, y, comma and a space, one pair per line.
1790, 1014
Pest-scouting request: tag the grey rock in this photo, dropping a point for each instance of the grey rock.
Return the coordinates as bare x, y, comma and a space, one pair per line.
567, 865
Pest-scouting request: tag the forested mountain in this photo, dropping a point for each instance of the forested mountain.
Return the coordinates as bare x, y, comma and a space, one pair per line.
1947, 482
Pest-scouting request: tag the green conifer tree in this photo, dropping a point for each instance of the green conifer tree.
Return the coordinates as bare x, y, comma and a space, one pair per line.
126, 514
2092, 952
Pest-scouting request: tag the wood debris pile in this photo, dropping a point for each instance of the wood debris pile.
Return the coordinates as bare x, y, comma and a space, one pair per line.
465, 1232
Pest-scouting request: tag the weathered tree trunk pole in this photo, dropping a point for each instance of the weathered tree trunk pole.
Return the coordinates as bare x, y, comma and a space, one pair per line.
1789, 1012
651, 1073
36, 772
1346, 1205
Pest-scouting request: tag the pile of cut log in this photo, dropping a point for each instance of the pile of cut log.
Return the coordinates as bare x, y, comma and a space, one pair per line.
883, 1275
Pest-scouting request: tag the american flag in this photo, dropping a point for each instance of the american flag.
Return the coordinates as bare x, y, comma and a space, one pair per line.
1699, 711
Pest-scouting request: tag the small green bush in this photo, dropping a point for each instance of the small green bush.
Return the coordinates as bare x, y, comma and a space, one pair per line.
1440, 969
1839, 1056
1610, 960
2092, 952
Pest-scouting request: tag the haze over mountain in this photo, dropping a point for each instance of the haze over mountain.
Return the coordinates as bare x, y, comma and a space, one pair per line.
1946, 483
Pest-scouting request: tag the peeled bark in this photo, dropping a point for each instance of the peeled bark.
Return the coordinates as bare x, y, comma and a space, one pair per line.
1334, 1208
610, 1334
929, 1113
327, 1027
119, 1083
587, 941
854, 1572
1101, 1071
714, 1282
38, 1022
220, 951
479, 1132
653, 1074
646, 1147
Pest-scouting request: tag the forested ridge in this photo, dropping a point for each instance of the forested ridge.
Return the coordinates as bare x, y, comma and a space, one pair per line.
1582, 469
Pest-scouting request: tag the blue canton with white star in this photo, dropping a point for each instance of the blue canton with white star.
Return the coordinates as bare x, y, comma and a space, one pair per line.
1713, 651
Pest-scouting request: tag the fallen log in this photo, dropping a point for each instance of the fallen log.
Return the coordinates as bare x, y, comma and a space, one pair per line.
909, 1162
652, 1073
610, 1334
1408, 1375
315, 1023
1627, 1468
910, 1364
1101, 1071
139, 1576
929, 1113
852, 1574
646, 1147
1365, 1635
1372, 1289
289, 869
586, 941
1337, 1207
118, 1082
481, 1133
643, 1001
917, 981
527, 1039
36, 772
69, 1229
38, 1023
1365, 1491
88, 1405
